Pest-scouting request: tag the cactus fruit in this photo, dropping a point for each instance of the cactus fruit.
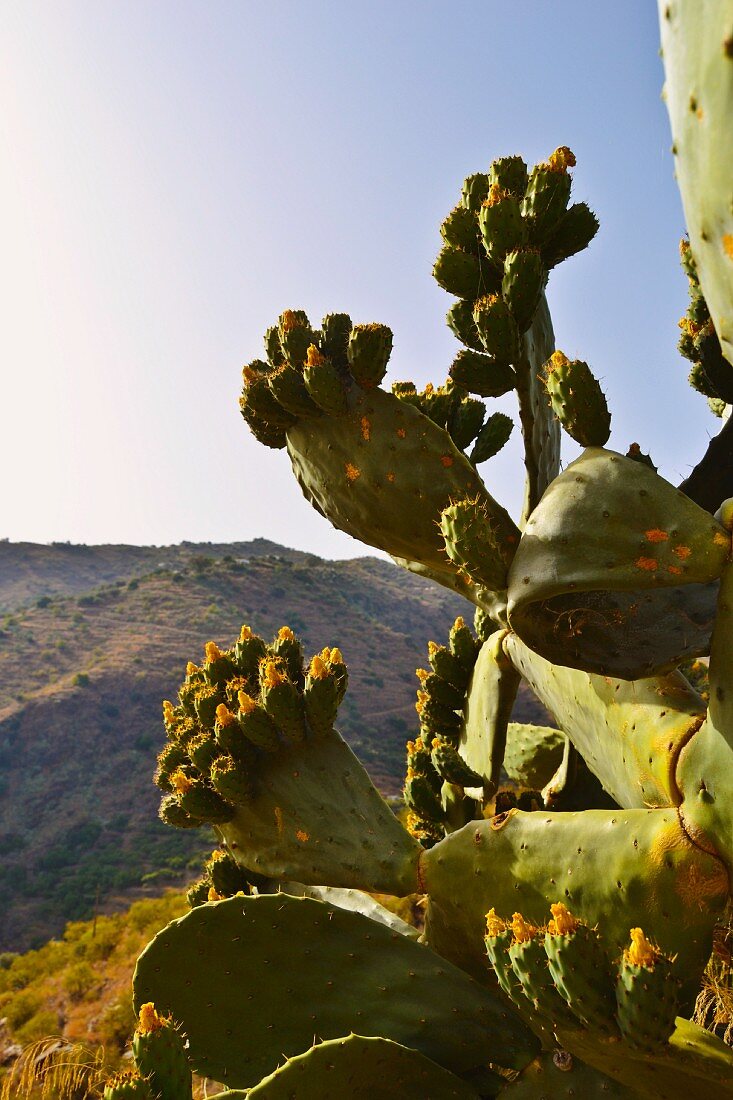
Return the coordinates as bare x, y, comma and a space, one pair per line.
160, 1056
127, 1085
601, 598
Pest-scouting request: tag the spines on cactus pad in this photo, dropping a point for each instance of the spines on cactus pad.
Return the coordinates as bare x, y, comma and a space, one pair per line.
280, 969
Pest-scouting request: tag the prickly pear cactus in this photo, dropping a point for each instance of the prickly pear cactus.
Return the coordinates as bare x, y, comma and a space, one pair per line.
572, 875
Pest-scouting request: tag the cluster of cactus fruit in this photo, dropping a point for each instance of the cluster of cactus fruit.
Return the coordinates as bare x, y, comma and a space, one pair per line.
573, 875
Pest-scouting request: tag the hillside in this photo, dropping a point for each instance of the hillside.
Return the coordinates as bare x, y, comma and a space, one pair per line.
80, 723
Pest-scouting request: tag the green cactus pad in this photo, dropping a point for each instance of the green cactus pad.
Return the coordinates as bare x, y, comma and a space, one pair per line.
482, 374
540, 430
698, 63
630, 733
316, 817
326, 386
524, 280
693, 1064
460, 230
497, 328
289, 390
493, 436
573, 232
461, 323
370, 347
489, 702
334, 342
355, 901
529, 963
532, 754
362, 1069
459, 273
501, 224
613, 868
548, 191
383, 474
279, 969
510, 174
465, 421
704, 769
586, 587
557, 1075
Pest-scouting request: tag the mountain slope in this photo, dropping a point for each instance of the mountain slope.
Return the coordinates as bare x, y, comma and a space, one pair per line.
80, 718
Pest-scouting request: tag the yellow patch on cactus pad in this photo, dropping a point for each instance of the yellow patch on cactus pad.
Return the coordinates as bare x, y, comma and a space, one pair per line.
285, 634
180, 782
562, 159
270, 673
317, 669
224, 716
245, 634
313, 357
212, 651
352, 472
246, 703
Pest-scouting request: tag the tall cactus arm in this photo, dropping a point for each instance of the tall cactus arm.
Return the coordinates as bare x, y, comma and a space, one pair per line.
615, 868
540, 428
697, 46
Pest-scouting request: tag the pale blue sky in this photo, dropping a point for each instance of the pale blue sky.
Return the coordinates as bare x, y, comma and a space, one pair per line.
174, 174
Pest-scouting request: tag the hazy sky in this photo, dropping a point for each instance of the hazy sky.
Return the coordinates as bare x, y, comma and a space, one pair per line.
174, 174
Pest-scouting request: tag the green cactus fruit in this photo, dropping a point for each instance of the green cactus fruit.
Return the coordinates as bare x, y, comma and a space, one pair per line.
635, 452
218, 667
460, 230
335, 332
421, 798
483, 624
296, 336
363, 1069
524, 280
230, 737
256, 724
461, 323
510, 174
198, 892
465, 421
547, 194
324, 690
201, 801
474, 191
713, 374
169, 761
289, 390
579, 966
497, 943
437, 403
493, 436
370, 347
226, 876
482, 374
203, 751
324, 383
577, 400
472, 544
248, 651
440, 690
698, 63
420, 761
451, 766
647, 994
159, 1051
463, 644
257, 398
265, 432
497, 328
436, 718
273, 350
501, 225
261, 963
282, 701
127, 1085
206, 700
231, 780
288, 649
642, 550
533, 754
458, 272
529, 962
172, 813
447, 666
573, 232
